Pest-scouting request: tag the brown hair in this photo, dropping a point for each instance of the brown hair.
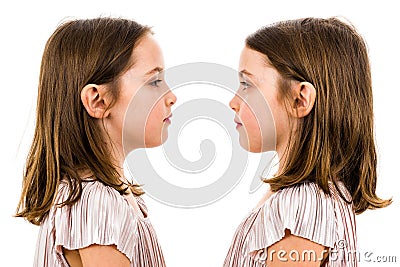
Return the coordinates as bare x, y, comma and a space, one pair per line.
67, 139
335, 141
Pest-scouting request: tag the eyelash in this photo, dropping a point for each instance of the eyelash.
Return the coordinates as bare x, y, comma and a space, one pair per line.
245, 85
155, 83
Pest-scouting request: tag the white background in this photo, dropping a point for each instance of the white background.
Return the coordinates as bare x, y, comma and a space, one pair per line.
191, 31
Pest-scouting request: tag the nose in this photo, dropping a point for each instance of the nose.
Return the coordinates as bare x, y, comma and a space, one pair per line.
170, 98
234, 103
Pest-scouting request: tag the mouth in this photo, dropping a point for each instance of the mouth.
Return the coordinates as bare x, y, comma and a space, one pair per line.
167, 119
238, 123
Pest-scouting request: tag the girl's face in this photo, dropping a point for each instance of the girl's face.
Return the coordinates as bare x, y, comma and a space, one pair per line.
261, 117
142, 110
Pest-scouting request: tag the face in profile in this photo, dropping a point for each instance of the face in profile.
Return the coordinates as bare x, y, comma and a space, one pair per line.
260, 118
143, 108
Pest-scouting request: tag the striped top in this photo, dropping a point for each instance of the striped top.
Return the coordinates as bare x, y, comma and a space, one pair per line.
101, 216
307, 212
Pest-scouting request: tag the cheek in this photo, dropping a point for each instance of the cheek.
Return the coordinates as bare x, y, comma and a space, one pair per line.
133, 129
140, 122
259, 124
154, 125
250, 134
249, 120
155, 117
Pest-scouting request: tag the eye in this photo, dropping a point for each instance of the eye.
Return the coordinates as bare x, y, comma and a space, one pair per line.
155, 83
244, 85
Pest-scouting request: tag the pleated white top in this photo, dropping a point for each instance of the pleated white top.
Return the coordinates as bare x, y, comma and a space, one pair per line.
307, 212
101, 216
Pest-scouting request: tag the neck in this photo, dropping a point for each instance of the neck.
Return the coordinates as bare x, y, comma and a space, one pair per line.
118, 158
283, 153
282, 158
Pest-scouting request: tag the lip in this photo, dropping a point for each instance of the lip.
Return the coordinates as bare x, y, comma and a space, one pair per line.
167, 119
238, 123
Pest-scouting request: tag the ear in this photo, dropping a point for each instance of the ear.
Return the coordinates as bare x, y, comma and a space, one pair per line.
94, 100
304, 94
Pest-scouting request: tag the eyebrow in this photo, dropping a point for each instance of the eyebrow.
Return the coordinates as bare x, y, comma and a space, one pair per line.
156, 69
245, 72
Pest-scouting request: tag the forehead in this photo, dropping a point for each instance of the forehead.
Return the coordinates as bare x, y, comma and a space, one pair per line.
147, 53
255, 65
251, 59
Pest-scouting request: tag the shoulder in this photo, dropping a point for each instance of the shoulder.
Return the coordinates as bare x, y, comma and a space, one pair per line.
309, 194
97, 204
92, 191
97, 191
306, 189
301, 196
100, 216
305, 210
306, 198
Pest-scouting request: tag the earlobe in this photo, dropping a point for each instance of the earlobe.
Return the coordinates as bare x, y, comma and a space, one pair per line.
92, 97
304, 99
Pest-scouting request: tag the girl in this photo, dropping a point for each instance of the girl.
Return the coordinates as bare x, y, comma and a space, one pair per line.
74, 186
315, 76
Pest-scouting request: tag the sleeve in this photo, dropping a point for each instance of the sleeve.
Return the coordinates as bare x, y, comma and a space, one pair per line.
303, 209
101, 216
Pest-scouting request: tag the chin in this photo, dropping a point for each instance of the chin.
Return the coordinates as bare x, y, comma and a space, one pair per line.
249, 146
255, 150
155, 142
164, 137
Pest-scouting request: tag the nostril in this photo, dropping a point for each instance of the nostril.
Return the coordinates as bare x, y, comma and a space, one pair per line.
171, 99
233, 104
234, 107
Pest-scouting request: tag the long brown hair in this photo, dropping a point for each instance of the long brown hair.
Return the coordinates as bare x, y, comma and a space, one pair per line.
67, 139
335, 141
